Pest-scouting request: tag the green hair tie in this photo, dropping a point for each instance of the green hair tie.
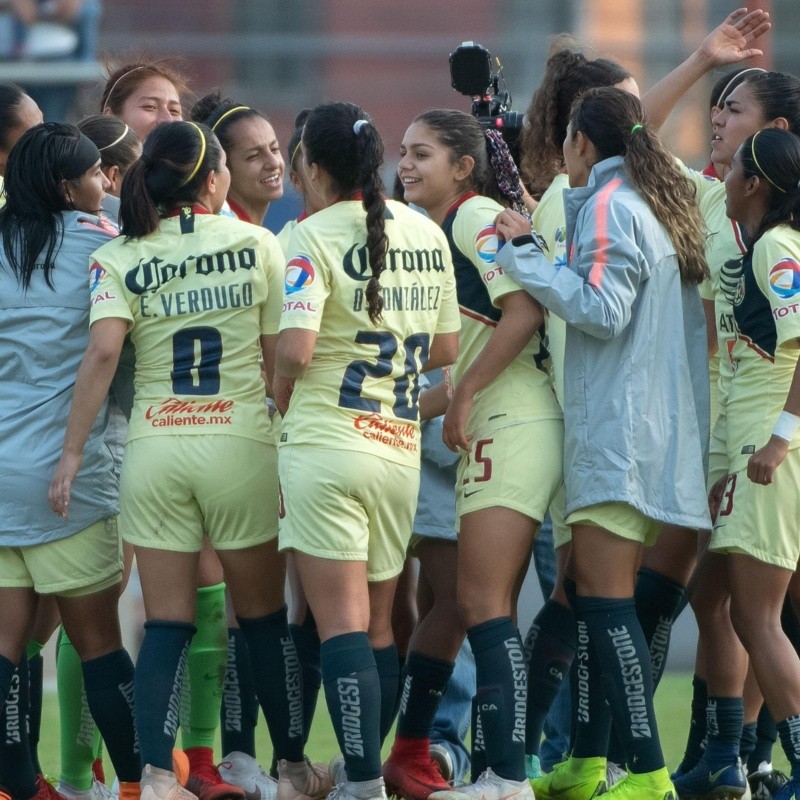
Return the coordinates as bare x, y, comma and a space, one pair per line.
636, 127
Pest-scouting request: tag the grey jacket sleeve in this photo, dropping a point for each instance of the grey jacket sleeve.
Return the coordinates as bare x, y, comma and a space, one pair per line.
600, 304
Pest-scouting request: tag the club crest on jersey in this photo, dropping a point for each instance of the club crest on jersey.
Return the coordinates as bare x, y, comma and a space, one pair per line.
96, 274
486, 244
300, 274
784, 278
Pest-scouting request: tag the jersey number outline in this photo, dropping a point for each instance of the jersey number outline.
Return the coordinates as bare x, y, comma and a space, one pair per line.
416, 348
189, 374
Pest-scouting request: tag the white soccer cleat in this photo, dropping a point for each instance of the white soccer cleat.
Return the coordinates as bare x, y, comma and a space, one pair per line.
489, 786
245, 772
161, 784
97, 791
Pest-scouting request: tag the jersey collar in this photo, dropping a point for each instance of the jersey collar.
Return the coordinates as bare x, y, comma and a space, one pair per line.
461, 200
196, 209
239, 211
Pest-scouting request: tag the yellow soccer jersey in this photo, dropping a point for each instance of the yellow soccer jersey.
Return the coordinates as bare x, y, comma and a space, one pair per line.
284, 235
197, 293
523, 391
767, 312
360, 390
549, 222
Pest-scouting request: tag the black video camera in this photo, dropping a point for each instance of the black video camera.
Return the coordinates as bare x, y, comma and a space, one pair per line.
471, 74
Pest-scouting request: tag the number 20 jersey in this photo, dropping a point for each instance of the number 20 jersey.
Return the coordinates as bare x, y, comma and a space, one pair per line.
197, 293
360, 390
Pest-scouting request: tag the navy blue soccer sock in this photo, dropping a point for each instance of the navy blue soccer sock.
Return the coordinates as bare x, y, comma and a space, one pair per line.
17, 771
425, 683
724, 720
502, 682
549, 651
388, 663
478, 745
789, 731
352, 689
278, 681
306, 640
109, 686
658, 599
766, 736
7, 670
157, 688
749, 740
624, 659
35, 693
238, 715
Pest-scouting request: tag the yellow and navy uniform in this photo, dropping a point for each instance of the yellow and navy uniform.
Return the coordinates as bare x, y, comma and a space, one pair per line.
762, 520
359, 393
197, 294
505, 466
284, 235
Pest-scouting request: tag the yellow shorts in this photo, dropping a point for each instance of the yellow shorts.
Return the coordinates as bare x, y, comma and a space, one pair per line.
718, 462
762, 521
621, 519
347, 506
562, 533
517, 467
84, 563
176, 489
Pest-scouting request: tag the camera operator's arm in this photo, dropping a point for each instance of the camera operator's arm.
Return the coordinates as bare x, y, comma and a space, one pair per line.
728, 43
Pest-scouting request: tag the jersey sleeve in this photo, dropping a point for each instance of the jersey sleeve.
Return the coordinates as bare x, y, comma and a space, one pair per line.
475, 235
108, 300
777, 272
703, 184
306, 283
449, 315
274, 269
599, 304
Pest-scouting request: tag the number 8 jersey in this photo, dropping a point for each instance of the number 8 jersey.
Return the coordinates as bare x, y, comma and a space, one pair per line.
198, 293
360, 391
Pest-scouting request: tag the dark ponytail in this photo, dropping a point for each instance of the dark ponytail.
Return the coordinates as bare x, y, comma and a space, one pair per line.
176, 160
613, 121
774, 156
341, 138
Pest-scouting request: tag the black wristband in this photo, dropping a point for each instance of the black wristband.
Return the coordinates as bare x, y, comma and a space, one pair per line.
525, 238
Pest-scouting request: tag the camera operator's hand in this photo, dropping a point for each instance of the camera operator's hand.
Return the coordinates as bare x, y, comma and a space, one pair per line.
510, 223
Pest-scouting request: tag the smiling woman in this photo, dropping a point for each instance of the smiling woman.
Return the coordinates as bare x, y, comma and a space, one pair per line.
254, 154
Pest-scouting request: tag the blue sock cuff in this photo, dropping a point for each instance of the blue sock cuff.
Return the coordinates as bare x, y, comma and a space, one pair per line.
435, 669
170, 625
487, 634
107, 667
607, 605
279, 618
344, 654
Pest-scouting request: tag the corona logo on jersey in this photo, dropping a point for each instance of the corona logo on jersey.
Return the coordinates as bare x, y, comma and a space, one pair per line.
486, 244
784, 278
96, 274
300, 274
356, 261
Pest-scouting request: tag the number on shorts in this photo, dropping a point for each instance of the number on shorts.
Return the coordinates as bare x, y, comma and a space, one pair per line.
480, 458
415, 347
726, 504
192, 374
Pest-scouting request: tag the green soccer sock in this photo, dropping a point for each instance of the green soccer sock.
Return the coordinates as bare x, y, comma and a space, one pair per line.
80, 739
201, 696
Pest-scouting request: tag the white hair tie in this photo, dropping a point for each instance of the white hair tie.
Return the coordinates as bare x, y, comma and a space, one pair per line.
359, 124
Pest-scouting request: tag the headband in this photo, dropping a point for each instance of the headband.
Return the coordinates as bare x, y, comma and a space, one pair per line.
116, 141
294, 153
114, 85
228, 113
83, 155
760, 168
200, 159
738, 75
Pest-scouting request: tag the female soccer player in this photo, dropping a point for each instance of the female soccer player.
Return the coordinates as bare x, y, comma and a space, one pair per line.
755, 532
369, 302
18, 113
635, 340
503, 416
49, 228
118, 144
253, 154
197, 291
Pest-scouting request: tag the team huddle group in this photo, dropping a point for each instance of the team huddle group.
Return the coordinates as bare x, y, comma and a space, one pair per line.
579, 334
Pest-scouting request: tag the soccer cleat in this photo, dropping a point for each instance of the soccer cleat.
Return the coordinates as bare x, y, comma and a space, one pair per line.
789, 791
614, 774
533, 767
45, 790
413, 777
489, 786
573, 779
244, 771
765, 782
302, 780
97, 791
362, 790
336, 770
643, 786
162, 784
727, 783
441, 755
207, 784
